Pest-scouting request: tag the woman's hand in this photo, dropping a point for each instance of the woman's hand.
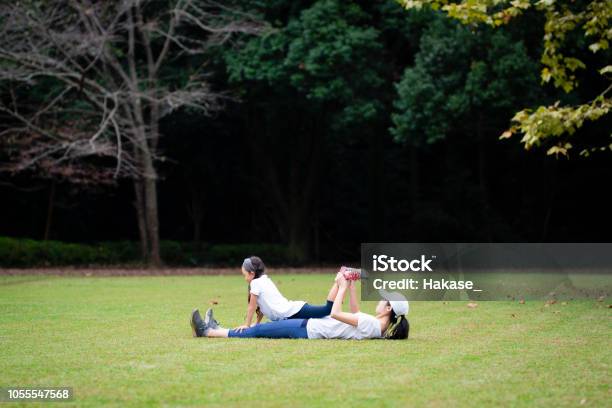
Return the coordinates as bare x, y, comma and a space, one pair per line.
342, 282
338, 276
241, 328
336, 312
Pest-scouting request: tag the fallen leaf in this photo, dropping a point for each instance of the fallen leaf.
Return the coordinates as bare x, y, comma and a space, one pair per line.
513, 315
551, 301
214, 302
522, 301
583, 401
472, 305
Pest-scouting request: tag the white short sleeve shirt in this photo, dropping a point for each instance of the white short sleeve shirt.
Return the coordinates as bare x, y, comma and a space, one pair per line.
271, 302
368, 327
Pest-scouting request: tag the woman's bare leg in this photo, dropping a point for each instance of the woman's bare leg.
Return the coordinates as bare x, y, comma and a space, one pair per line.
217, 332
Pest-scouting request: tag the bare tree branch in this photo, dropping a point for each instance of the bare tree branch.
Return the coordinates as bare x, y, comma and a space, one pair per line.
104, 74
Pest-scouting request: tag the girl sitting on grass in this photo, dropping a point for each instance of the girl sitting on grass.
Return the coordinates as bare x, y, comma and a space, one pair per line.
390, 321
266, 300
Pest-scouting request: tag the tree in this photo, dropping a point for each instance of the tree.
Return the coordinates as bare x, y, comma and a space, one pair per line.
314, 77
104, 74
553, 124
462, 85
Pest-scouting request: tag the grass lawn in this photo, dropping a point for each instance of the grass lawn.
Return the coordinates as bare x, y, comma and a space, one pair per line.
126, 341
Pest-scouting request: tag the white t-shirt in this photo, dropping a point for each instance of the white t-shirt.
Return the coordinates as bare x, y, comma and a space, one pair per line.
271, 302
368, 327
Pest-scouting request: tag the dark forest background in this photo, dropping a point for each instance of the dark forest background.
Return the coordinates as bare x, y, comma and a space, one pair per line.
352, 122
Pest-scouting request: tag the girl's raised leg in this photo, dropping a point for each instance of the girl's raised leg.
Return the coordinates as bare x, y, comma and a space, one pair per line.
316, 312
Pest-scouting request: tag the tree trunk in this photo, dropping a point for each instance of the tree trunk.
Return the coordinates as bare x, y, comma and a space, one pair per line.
139, 204
49, 211
150, 201
152, 221
147, 153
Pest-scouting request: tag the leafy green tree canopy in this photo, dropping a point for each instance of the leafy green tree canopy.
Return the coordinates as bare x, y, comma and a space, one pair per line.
550, 125
327, 54
459, 75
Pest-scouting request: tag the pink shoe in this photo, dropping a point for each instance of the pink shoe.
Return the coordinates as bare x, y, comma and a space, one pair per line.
351, 274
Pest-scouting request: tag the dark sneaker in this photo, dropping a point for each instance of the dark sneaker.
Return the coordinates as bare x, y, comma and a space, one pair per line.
198, 327
209, 320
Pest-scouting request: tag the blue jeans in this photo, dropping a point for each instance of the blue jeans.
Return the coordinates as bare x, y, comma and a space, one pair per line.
281, 329
313, 312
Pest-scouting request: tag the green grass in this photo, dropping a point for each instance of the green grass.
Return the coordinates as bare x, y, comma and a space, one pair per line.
126, 342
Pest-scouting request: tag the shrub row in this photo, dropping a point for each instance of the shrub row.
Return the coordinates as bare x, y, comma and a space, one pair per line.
31, 253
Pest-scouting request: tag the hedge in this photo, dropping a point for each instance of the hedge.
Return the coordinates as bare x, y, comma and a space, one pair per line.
31, 253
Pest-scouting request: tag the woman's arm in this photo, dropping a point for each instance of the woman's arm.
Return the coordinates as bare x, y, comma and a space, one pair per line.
250, 312
337, 313
353, 301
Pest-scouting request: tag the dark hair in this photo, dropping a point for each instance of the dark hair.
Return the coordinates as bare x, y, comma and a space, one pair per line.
254, 264
259, 269
398, 328
258, 265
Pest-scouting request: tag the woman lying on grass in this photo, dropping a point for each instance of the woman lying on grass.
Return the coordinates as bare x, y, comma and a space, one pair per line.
266, 300
390, 321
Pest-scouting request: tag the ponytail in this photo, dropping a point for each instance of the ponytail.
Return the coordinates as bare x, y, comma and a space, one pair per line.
255, 265
258, 310
398, 329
